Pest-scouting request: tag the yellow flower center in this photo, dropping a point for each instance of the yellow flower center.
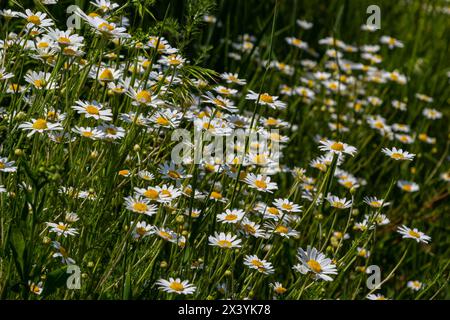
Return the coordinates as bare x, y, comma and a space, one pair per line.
62, 227
111, 131
297, 42
164, 234
140, 207
273, 211
216, 195
162, 121
92, 109
105, 26
337, 146
337, 204
397, 156
177, 286
287, 206
141, 231
314, 265
250, 229
272, 122
166, 193
267, 98
375, 204
257, 263
39, 83
42, 44
151, 193
414, 234
144, 96
2, 165
224, 243
87, 134
106, 75
407, 187
40, 124
64, 40
280, 290
282, 229
231, 217
34, 20
174, 174
261, 184
219, 103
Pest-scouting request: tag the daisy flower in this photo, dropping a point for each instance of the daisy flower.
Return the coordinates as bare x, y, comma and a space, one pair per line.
36, 288
40, 80
336, 147
374, 202
144, 97
376, 297
105, 74
339, 203
316, 262
260, 182
431, 114
251, 228
5, 75
281, 229
173, 60
62, 228
140, 205
7, 166
398, 154
93, 110
142, 229
37, 19
111, 132
172, 171
286, 205
62, 253
87, 132
278, 288
231, 216
253, 262
415, 285
408, 186
296, 42
39, 126
103, 27
220, 102
176, 286
413, 234
391, 42
304, 24
232, 78
222, 240
66, 38
266, 99
167, 193
105, 5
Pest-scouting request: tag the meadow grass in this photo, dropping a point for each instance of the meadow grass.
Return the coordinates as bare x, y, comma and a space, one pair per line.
88, 179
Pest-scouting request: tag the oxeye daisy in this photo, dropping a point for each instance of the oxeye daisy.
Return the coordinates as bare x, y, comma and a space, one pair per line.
87, 132
231, 216
151, 193
40, 80
166, 118
265, 99
104, 27
220, 102
377, 296
167, 193
39, 125
162, 44
263, 266
413, 234
105, 74
316, 262
296, 42
166, 234
144, 97
232, 78
173, 60
142, 229
62, 228
337, 147
176, 286
146, 175
36, 288
172, 171
7, 166
408, 186
286, 205
260, 182
105, 5
93, 110
398, 154
281, 229
66, 38
278, 288
36, 20
111, 132
432, 114
140, 205
415, 285
226, 241
251, 228
339, 203
5, 75
62, 253
391, 42
374, 202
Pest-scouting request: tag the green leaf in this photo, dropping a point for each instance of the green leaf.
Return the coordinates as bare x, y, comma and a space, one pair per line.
17, 240
55, 279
